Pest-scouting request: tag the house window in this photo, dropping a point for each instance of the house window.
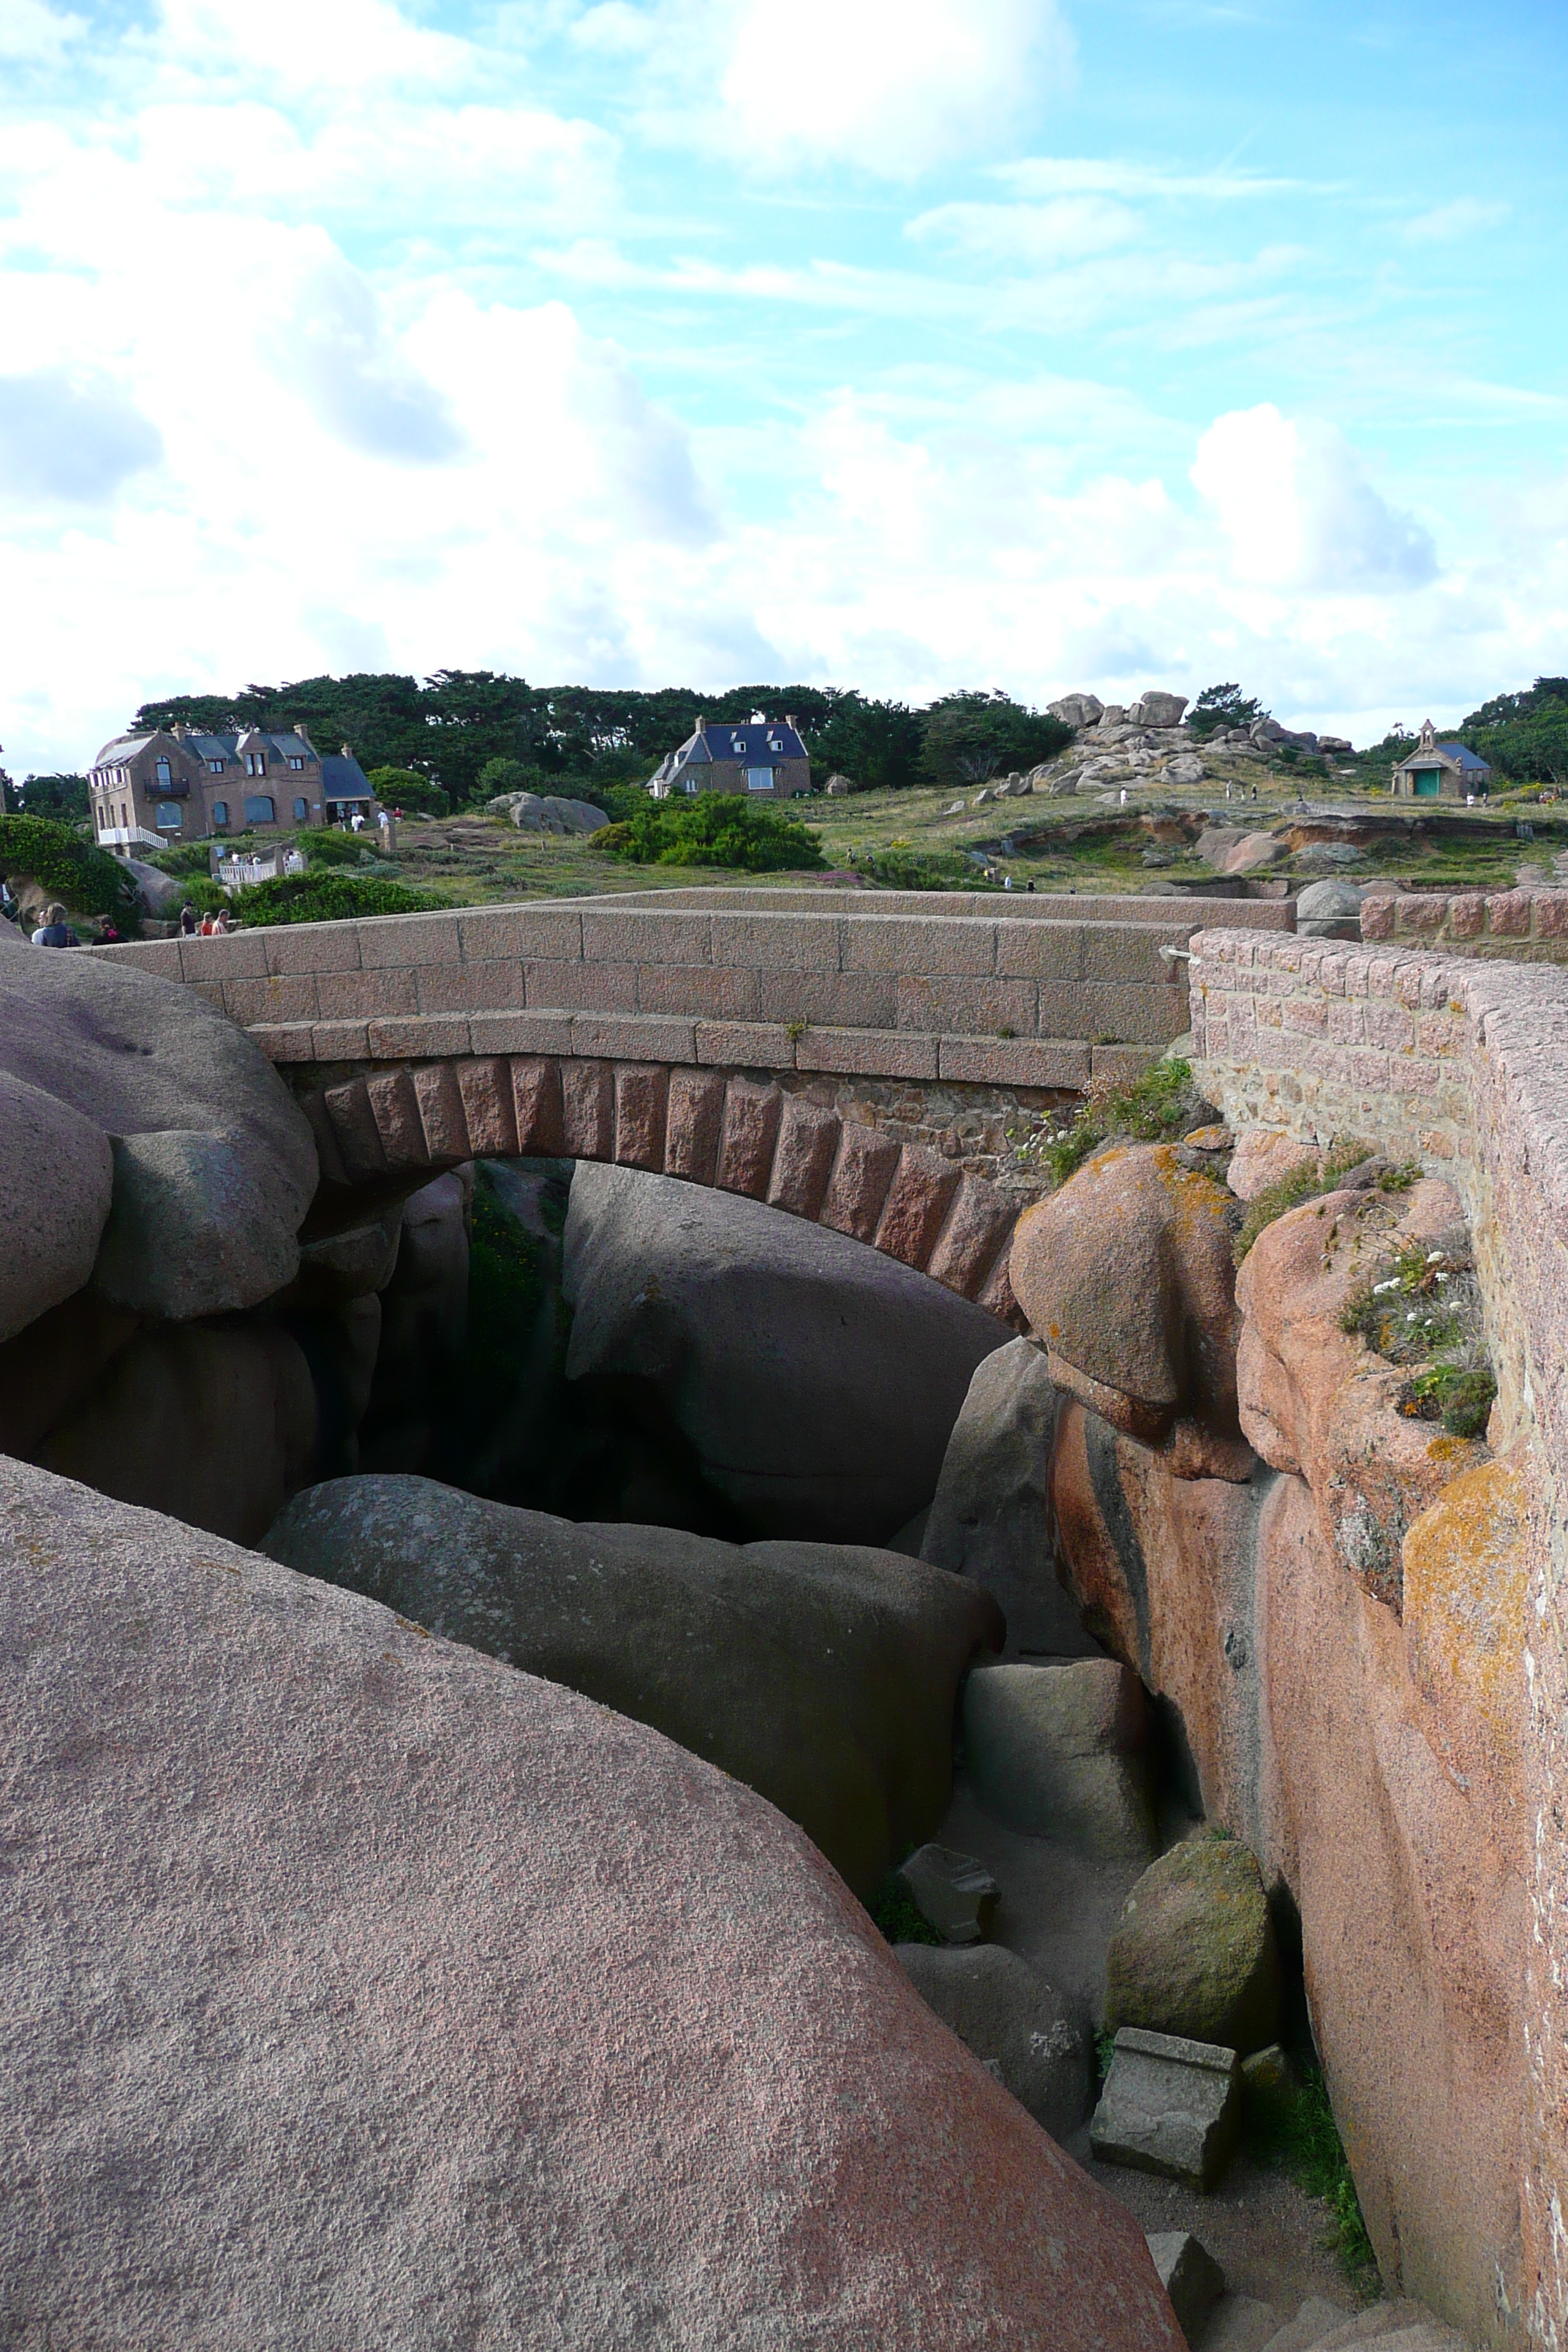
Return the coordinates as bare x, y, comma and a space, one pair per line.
758, 779
165, 777
123, 818
215, 767
256, 763
220, 812
166, 816
259, 810
690, 785
301, 811
298, 765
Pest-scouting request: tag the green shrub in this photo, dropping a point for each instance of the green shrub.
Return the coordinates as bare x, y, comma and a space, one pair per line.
182, 860
911, 869
330, 847
895, 1911
1159, 1103
715, 829
405, 788
85, 879
1298, 2133
1307, 1182
331, 898
1425, 1309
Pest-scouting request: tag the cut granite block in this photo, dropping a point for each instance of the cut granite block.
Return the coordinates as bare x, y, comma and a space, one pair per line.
1169, 2105
954, 1893
1189, 2274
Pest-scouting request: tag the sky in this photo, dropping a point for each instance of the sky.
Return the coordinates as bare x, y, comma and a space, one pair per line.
905, 344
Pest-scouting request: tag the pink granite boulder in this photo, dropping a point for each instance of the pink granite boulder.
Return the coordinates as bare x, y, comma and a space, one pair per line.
361, 1991
1127, 1275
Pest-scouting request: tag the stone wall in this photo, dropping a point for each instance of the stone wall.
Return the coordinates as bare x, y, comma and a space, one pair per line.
1519, 926
1464, 1066
972, 995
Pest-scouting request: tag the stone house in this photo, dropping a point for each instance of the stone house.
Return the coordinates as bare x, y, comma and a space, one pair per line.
183, 784
763, 758
1436, 771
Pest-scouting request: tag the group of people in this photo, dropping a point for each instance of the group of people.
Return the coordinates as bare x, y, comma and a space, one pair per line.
56, 931
207, 926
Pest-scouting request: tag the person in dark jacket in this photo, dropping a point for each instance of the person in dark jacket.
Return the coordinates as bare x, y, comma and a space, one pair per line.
188, 919
54, 931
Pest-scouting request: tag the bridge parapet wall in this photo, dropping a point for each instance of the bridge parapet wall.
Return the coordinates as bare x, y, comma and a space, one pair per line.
1512, 926
988, 998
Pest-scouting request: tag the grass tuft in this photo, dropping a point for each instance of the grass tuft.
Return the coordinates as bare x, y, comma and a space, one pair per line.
1297, 2132
1160, 1102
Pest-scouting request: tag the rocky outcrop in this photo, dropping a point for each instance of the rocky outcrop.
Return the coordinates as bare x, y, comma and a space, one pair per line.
1315, 1399
1059, 1752
56, 1176
363, 1989
423, 1316
546, 812
214, 1165
1127, 1275
1342, 1640
822, 1676
990, 1518
816, 1379
215, 1424
1021, 2031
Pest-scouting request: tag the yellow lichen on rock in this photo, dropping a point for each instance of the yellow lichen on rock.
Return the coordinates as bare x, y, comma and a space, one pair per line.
1465, 1583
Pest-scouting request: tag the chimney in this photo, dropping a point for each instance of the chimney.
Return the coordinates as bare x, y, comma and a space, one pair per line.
345, 752
701, 722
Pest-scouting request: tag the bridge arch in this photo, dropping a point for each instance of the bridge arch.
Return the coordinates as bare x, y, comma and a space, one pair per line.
733, 1131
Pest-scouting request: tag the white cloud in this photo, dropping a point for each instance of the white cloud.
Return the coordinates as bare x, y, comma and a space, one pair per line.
1052, 176
1029, 235
345, 46
889, 87
69, 439
1294, 500
1462, 217
31, 34
335, 348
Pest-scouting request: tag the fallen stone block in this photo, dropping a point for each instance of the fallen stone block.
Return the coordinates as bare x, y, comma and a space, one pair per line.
1169, 2106
954, 1893
1056, 1751
1189, 2274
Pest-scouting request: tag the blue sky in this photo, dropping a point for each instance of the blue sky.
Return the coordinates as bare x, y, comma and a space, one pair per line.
906, 344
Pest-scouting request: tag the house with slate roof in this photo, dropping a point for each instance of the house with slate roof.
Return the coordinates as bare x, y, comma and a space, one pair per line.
183, 784
763, 758
1436, 771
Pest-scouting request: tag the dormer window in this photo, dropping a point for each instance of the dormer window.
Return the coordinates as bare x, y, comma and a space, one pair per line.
165, 776
256, 763
298, 765
215, 767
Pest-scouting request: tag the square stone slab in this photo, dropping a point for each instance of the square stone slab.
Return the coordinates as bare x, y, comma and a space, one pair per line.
1169, 2105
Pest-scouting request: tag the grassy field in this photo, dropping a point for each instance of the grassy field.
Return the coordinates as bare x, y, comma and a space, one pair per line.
1074, 842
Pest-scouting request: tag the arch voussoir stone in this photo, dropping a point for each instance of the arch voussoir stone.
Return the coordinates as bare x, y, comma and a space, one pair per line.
731, 1130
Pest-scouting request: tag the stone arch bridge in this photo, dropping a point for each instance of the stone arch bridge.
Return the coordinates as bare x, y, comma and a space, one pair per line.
842, 1057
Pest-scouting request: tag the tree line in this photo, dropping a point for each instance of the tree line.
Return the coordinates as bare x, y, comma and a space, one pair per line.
450, 727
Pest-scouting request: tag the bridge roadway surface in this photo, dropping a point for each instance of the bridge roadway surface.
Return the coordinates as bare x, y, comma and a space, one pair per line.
685, 1032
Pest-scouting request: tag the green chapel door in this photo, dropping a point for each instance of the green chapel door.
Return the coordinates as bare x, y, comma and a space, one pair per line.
1428, 784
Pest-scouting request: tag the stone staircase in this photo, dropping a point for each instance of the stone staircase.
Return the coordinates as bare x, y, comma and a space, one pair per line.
1400, 2326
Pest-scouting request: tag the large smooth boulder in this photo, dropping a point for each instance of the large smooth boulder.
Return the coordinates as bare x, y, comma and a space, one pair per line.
213, 1162
818, 1380
1157, 708
1329, 910
822, 1676
1194, 1951
544, 813
56, 1177
215, 1424
1059, 1751
991, 1515
1076, 710
1128, 1276
360, 1991
1020, 2030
